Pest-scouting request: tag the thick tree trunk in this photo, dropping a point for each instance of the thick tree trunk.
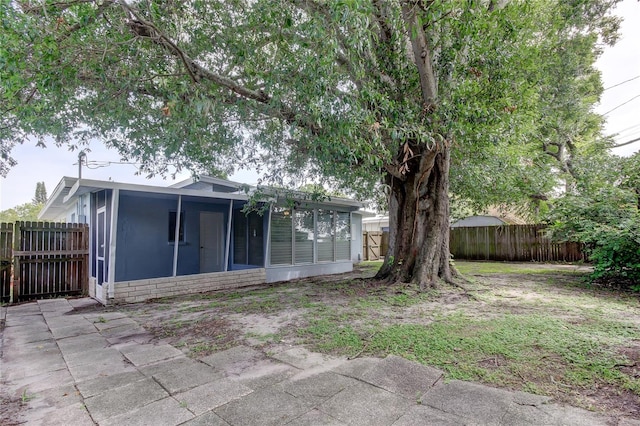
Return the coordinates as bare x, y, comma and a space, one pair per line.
419, 222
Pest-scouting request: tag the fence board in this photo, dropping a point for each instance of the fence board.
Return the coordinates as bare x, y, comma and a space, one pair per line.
375, 244
6, 245
49, 259
511, 243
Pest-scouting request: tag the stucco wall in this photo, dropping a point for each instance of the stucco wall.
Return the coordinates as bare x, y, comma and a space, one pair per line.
140, 290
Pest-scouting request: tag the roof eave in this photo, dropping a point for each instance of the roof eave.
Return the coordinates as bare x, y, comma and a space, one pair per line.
57, 198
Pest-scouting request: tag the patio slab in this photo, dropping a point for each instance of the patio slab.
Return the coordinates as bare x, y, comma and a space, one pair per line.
268, 407
365, 404
167, 411
140, 355
117, 401
212, 395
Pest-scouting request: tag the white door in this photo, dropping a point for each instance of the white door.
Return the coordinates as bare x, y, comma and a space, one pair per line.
212, 238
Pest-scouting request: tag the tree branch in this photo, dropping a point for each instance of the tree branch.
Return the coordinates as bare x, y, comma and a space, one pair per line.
371, 63
60, 5
146, 29
395, 172
101, 8
421, 55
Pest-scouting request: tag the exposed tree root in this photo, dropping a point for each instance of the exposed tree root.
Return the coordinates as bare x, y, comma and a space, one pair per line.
364, 347
456, 283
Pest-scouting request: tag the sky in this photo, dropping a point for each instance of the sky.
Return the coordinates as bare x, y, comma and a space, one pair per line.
617, 64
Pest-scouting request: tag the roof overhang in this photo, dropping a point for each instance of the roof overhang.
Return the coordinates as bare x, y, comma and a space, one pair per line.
84, 186
208, 179
69, 189
55, 206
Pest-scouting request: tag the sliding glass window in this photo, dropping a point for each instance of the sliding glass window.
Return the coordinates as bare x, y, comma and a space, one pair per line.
325, 231
343, 236
304, 235
281, 236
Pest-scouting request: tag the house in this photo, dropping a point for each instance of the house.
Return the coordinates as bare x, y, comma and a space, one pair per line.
375, 223
151, 241
495, 216
479, 220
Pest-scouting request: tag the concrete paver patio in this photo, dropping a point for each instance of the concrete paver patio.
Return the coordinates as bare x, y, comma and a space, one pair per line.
87, 369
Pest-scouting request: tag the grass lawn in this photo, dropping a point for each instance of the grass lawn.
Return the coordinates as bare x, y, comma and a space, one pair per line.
531, 327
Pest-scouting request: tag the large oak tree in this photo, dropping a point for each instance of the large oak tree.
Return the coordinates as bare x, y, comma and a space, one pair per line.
406, 94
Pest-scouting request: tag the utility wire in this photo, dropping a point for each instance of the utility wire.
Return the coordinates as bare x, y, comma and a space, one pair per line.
626, 143
622, 104
621, 83
626, 129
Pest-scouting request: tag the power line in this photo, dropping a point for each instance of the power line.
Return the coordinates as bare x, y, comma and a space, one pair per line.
622, 104
623, 82
626, 129
626, 143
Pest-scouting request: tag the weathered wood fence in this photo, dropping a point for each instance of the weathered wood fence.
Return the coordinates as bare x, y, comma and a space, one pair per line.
511, 243
505, 243
47, 260
6, 245
374, 245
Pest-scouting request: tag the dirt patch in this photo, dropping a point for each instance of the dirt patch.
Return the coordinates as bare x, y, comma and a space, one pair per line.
199, 337
493, 363
11, 410
613, 400
632, 367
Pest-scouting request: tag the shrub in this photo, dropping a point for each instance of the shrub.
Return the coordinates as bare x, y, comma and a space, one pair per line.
608, 223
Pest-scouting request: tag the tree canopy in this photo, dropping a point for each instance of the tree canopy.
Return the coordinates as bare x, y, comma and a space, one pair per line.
26, 211
329, 88
40, 196
354, 93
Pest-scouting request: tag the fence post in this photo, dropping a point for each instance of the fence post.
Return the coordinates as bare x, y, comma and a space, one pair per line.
87, 268
15, 276
365, 245
6, 260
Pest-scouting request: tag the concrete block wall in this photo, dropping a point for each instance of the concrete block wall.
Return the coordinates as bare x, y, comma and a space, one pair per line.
140, 290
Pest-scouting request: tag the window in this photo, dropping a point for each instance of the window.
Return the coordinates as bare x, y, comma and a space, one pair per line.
304, 235
172, 227
281, 236
343, 236
325, 231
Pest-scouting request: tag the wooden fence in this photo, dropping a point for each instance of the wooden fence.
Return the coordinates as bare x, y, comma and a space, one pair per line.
374, 245
6, 245
49, 259
511, 243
